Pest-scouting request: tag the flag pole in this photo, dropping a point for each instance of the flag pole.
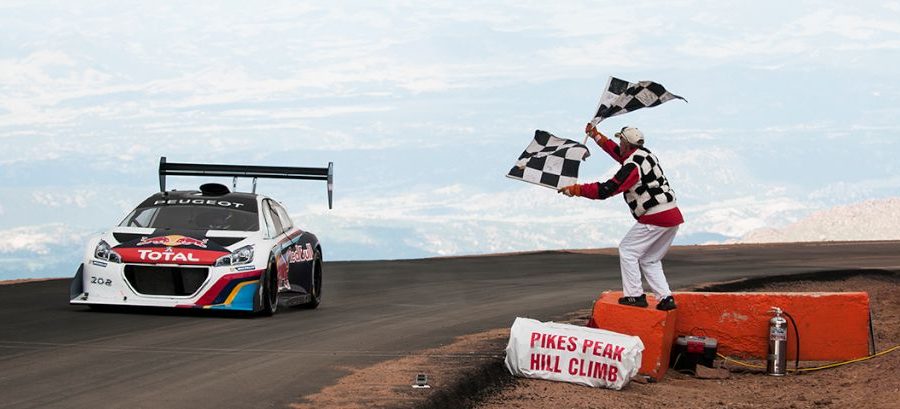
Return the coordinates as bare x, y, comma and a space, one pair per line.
597, 109
586, 134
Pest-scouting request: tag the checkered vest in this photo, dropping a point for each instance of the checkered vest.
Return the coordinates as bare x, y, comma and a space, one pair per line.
651, 194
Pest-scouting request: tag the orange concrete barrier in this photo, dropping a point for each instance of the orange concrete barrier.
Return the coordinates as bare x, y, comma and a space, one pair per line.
832, 326
655, 328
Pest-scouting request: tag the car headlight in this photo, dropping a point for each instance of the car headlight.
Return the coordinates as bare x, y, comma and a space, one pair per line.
105, 252
243, 255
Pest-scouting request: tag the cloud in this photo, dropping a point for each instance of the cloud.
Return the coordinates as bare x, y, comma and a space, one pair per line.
43, 79
47, 250
86, 96
455, 219
304, 113
39, 239
806, 36
851, 27
34, 68
454, 203
81, 199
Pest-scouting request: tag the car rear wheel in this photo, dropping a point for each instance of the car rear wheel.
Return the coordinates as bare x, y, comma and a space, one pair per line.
315, 290
268, 290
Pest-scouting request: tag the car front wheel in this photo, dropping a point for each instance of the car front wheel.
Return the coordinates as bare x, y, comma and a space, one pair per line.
268, 290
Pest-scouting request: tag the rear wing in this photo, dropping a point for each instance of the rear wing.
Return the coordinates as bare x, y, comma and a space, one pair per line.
236, 171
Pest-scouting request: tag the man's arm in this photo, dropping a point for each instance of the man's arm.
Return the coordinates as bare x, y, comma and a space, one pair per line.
605, 143
612, 149
623, 180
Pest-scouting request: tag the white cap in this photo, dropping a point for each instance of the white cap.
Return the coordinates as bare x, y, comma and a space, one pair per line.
634, 136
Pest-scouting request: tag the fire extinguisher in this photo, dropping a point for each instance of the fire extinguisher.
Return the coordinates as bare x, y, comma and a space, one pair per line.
776, 364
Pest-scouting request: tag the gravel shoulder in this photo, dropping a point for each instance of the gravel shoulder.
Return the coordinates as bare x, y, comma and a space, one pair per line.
871, 383
469, 373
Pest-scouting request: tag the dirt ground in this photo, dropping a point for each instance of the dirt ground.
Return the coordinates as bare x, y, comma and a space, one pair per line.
23, 280
870, 384
469, 373
389, 384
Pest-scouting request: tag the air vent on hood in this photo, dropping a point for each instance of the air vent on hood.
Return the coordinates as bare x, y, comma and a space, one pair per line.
126, 237
226, 241
222, 241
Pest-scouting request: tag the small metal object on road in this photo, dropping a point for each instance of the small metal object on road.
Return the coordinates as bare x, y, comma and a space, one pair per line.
421, 382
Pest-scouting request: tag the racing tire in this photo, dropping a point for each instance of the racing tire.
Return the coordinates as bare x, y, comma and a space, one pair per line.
315, 291
268, 290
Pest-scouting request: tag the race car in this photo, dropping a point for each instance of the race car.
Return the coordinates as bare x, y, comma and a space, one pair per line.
211, 248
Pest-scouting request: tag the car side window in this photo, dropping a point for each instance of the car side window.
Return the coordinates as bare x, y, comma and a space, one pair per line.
279, 228
267, 220
282, 214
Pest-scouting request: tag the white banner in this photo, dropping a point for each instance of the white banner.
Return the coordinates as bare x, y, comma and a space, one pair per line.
569, 353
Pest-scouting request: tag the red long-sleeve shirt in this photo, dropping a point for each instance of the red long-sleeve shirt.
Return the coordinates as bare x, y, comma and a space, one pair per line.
625, 178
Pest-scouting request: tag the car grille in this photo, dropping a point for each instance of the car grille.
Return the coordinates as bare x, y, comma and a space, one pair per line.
154, 280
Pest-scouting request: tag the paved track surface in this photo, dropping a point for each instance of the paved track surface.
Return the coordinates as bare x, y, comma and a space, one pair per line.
53, 355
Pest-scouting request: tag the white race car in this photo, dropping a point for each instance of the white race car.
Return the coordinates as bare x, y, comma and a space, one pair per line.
210, 248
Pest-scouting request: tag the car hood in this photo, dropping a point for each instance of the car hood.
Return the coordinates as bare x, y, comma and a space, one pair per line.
171, 246
222, 238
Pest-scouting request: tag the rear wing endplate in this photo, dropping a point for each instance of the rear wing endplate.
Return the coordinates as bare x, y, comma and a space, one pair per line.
236, 171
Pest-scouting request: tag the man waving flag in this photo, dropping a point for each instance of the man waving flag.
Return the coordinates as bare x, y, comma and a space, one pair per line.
553, 162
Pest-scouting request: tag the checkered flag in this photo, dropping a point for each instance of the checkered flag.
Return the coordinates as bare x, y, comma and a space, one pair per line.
549, 161
621, 96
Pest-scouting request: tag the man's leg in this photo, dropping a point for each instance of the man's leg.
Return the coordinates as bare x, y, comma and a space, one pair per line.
631, 250
651, 262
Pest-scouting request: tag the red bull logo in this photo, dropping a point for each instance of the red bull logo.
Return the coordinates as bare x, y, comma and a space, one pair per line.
300, 254
173, 240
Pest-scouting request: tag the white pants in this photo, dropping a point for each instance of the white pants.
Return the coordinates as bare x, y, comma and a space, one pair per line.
642, 250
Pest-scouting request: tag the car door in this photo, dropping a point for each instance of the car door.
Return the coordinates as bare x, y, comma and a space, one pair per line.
281, 247
301, 251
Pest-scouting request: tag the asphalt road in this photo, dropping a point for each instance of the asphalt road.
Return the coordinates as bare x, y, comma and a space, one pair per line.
53, 355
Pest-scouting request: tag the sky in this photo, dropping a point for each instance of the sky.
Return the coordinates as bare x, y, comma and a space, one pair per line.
423, 107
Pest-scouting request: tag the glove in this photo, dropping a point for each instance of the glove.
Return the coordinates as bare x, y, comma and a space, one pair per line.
592, 131
571, 190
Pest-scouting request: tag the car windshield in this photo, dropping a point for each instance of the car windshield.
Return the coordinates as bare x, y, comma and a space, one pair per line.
193, 218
